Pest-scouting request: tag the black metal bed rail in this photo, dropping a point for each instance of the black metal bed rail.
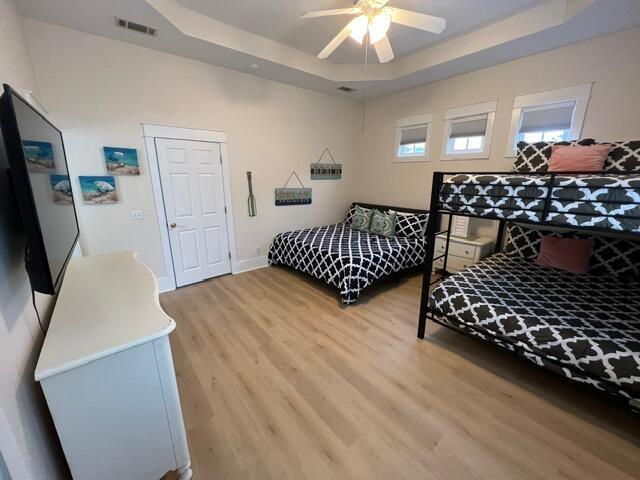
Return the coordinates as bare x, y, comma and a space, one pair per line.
543, 174
552, 186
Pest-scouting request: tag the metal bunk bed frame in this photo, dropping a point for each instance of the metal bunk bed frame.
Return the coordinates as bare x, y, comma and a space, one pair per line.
435, 216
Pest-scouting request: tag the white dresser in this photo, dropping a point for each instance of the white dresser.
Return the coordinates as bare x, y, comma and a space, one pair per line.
107, 373
463, 252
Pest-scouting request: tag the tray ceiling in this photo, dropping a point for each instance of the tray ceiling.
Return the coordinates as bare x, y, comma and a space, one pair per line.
278, 20
245, 34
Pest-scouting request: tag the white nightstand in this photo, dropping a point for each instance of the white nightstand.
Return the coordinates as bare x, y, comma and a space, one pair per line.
463, 252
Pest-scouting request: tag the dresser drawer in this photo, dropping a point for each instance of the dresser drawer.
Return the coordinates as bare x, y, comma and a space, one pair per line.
456, 249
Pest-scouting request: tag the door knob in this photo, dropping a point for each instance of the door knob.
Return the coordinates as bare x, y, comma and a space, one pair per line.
173, 225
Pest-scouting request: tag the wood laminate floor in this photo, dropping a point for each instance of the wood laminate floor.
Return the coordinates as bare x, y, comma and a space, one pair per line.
278, 380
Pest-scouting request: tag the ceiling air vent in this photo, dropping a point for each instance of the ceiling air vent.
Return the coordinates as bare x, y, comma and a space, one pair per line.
136, 27
345, 89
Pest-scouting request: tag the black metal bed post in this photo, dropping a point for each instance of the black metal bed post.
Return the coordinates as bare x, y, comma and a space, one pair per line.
446, 247
500, 236
430, 234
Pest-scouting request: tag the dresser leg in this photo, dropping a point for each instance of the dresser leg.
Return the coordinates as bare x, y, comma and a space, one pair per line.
185, 472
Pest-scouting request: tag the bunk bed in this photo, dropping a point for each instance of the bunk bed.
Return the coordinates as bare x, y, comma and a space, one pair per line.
585, 327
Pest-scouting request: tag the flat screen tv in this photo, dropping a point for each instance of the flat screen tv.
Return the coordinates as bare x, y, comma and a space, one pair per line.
39, 176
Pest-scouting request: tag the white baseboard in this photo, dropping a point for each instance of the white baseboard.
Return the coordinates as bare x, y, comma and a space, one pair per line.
249, 264
165, 284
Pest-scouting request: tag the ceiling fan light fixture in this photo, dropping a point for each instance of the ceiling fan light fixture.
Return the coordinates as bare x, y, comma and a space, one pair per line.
379, 26
359, 26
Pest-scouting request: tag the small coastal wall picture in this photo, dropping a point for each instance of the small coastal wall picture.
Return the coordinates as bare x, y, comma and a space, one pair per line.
99, 190
122, 161
39, 156
61, 187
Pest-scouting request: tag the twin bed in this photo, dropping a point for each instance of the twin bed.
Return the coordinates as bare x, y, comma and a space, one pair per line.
349, 259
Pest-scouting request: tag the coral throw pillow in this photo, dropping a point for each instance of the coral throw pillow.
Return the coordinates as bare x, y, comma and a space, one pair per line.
565, 158
570, 254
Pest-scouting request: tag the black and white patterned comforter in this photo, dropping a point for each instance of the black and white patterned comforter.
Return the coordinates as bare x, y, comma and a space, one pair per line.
609, 201
347, 259
557, 319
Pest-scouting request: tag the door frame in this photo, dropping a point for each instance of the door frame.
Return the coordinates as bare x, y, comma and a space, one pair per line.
152, 131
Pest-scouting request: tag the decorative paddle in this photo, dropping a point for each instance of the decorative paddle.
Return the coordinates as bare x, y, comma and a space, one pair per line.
251, 201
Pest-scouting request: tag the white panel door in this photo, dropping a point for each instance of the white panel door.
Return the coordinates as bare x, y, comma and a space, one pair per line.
193, 191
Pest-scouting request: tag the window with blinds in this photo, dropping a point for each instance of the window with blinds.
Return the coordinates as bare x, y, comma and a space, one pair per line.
550, 116
548, 123
467, 134
412, 140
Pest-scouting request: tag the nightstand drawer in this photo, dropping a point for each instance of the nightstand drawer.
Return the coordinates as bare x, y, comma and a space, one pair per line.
455, 249
453, 263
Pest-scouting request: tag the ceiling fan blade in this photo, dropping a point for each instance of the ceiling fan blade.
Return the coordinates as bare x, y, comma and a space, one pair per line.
384, 50
335, 43
327, 13
418, 20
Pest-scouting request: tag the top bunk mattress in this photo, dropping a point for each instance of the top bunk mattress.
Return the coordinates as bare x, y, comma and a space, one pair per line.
600, 201
585, 322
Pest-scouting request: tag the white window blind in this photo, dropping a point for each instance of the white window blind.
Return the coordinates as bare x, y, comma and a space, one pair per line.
475, 126
413, 134
547, 117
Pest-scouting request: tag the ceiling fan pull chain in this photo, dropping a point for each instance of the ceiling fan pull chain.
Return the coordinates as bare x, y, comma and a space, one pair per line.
364, 106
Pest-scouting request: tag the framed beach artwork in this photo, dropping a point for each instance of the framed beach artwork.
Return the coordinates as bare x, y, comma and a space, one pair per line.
39, 156
61, 187
121, 161
99, 190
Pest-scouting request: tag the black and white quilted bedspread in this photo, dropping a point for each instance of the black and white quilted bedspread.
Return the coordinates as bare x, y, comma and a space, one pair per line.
609, 201
582, 326
347, 259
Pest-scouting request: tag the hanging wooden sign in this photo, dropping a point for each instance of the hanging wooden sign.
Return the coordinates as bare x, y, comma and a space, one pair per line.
251, 201
326, 171
292, 196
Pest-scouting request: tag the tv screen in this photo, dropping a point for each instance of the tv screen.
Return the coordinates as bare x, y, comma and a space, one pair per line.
42, 186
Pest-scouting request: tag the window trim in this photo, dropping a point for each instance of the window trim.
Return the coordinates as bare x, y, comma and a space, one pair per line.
580, 94
488, 108
413, 121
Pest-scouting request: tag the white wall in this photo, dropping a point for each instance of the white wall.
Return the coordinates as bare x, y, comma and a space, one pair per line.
101, 90
612, 62
28, 445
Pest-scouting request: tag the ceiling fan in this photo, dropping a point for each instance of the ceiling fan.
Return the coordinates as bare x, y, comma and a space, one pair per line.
374, 17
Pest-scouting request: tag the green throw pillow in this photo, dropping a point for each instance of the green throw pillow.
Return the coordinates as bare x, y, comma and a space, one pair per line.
361, 219
383, 223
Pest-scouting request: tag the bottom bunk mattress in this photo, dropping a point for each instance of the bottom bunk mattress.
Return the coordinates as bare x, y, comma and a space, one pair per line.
348, 259
584, 327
